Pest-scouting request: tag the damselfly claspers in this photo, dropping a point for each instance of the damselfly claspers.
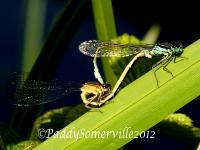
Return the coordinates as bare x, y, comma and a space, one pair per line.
167, 51
30, 92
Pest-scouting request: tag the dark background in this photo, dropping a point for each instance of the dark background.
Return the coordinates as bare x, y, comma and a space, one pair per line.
178, 21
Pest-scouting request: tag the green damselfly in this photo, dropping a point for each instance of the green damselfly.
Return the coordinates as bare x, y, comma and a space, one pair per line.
167, 51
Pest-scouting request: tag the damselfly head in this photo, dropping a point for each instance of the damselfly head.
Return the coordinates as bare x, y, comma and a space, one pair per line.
107, 86
177, 47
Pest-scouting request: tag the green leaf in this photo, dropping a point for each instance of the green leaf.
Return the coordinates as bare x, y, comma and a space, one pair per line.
176, 127
138, 107
181, 127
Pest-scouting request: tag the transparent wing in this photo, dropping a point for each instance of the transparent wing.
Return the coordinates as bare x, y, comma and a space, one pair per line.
109, 49
35, 92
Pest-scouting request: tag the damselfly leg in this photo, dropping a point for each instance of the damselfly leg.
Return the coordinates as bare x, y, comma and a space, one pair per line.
163, 63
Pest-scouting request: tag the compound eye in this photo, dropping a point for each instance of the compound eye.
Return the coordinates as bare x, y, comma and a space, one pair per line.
105, 86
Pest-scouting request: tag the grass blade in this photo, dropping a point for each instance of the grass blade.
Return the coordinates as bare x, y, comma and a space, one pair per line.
104, 19
105, 28
152, 34
33, 33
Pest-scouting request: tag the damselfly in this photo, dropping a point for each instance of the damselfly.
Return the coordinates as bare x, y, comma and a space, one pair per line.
167, 51
35, 92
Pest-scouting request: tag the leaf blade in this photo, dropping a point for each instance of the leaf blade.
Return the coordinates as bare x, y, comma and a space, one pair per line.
105, 28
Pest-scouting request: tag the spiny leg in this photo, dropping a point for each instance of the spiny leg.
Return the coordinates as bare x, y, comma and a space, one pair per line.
98, 96
92, 109
103, 101
90, 100
108, 97
174, 59
99, 99
100, 103
162, 61
154, 72
182, 58
164, 65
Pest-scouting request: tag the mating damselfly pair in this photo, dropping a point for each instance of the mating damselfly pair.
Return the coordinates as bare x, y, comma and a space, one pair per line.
166, 51
94, 94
